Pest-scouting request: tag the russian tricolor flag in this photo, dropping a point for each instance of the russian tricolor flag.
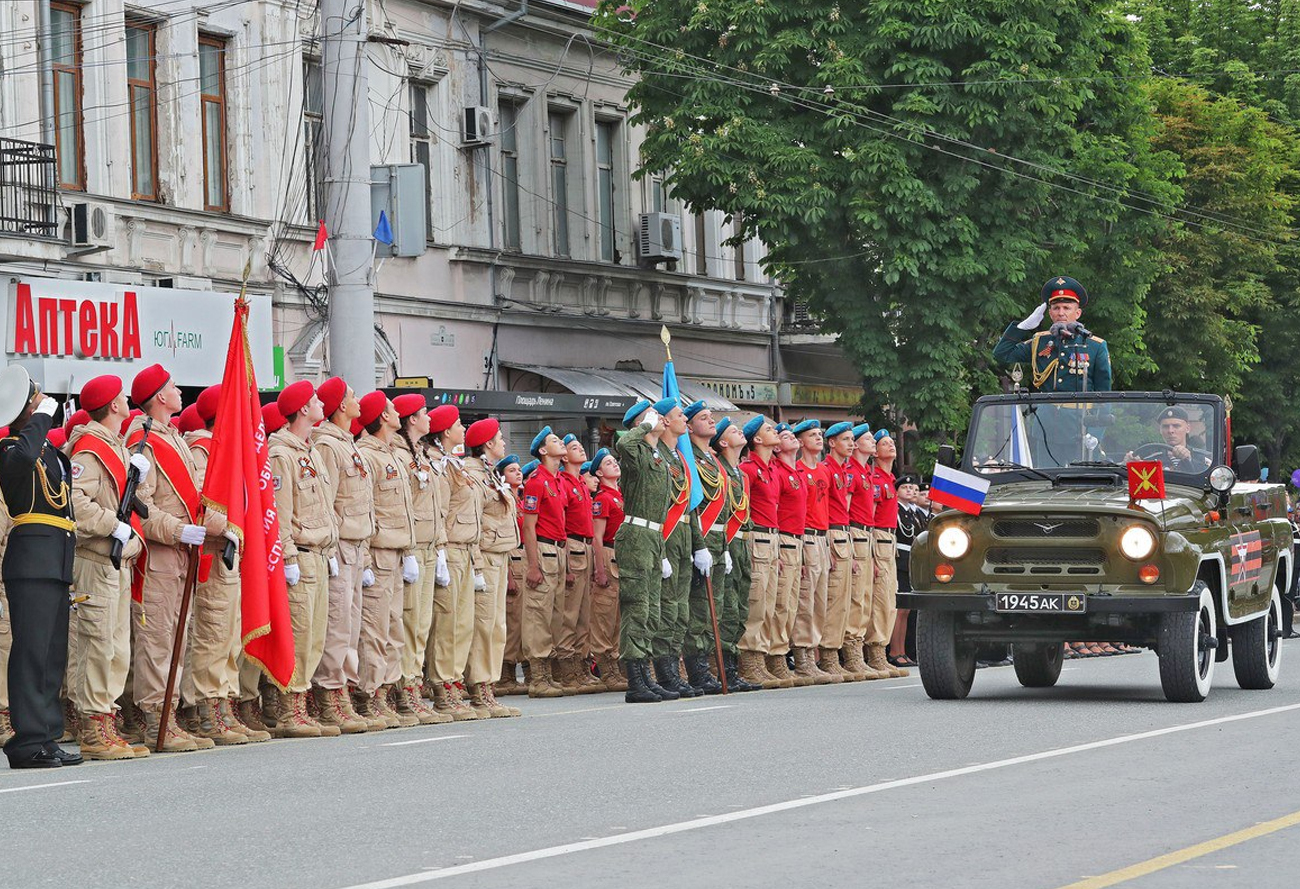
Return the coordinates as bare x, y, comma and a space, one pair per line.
960, 490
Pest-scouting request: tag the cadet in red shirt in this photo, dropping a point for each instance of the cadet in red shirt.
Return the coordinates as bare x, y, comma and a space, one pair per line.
816, 554
573, 615
607, 515
792, 510
545, 499
862, 515
884, 606
764, 551
839, 582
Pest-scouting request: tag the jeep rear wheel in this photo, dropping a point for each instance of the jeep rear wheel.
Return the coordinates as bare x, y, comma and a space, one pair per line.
1186, 648
1257, 647
947, 663
1038, 665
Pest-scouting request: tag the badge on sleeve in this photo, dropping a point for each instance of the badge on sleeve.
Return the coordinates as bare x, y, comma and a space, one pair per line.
275, 482
598, 508
530, 503
77, 470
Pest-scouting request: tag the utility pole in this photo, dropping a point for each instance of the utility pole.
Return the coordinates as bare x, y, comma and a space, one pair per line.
346, 130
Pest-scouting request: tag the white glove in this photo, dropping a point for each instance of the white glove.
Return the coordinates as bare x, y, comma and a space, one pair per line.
703, 560
480, 582
47, 406
292, 574
334, 567
141, 462
1035, 318
727, 558
410, 569
367, 578
667, 569
193, 535
122, 532
650, 418
441, 576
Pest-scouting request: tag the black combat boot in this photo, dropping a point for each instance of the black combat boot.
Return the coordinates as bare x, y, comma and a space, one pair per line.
734, 682
697, 672
637, 690
672, 667
655, 681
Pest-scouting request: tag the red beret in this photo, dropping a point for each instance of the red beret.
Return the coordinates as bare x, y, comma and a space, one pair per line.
189, 420
295, 397
355, 429
148, 383
271, 417
4, 431
443, 417
481, 432
100, 391
408, 404
126, 424
206, 405
331, 394
78, 418
57, 437
372, 406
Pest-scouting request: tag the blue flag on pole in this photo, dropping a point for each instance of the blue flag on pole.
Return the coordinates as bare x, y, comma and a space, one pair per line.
684, 447
384, 231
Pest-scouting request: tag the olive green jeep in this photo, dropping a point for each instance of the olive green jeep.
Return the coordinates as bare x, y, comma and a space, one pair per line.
1060, 552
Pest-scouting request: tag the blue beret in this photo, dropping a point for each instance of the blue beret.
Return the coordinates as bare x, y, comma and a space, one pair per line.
530, 467
506, 461
804, 426
599, 459
723, 425
586, 468
570, 439
1064, 287
860, 430
538, 440
752, 427
839, 429
782, 427
882, 433
664, 405
635, 411
693, 408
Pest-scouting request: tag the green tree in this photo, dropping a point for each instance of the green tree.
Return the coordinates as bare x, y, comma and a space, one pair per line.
918, 167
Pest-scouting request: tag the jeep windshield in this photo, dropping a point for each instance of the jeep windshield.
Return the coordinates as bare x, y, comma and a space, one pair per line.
1033, 436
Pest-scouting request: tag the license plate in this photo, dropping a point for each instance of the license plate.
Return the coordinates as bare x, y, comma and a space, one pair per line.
1041, 603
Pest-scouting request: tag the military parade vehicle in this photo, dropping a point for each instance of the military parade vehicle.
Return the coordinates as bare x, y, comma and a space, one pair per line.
1110, 517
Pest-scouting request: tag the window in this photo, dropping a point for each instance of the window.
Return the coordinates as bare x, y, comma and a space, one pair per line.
701, 257
559, 123
605, 134
212, 86
422, 145
69, 138
509, 114
142, 94
313, 110
657, 202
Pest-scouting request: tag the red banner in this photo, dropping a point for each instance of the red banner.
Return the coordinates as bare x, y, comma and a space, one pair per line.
1146, 480
238, 482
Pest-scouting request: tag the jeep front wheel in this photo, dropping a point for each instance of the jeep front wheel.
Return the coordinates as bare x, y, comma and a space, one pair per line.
947, 663
1257, 648
1186, 647
1038, 666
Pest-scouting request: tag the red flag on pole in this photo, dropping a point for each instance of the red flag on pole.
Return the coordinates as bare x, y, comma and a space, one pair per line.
321, 235
238, 482
1146, 480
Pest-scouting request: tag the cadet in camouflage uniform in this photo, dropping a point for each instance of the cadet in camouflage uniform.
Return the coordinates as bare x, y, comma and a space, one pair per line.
727, 443
711, 516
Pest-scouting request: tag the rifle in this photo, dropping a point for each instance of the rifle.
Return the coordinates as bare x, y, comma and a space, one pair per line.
130, 503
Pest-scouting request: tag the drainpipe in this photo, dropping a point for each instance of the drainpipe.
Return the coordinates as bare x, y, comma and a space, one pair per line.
46, 53
505, 20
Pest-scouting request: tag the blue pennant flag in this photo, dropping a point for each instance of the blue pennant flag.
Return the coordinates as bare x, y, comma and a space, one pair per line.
384, 231
684, 447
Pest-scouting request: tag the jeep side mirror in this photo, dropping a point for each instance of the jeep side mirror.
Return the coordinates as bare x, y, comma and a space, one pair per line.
947, 456
1245, 461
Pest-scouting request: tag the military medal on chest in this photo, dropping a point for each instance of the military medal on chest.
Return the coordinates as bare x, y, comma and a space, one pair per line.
305, 469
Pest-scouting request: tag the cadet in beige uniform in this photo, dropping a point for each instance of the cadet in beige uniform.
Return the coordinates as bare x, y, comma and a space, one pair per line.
349, 488
499, 539
306, 539
390, 561
418, 597
512, 474
100, 627
453, 614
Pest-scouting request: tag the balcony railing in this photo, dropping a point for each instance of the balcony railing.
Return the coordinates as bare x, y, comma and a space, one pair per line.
29, 196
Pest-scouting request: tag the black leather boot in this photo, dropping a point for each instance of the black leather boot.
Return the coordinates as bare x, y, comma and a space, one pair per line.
637, 691
734, 682
657, 679
697, 673
675, 681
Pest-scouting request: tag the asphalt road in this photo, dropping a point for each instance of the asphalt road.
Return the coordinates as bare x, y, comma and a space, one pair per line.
870, 784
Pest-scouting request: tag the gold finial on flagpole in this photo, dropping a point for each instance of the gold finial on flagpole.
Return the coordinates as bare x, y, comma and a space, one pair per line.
243, 287
667, 338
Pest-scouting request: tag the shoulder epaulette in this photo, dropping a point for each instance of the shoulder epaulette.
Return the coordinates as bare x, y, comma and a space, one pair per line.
1097, 339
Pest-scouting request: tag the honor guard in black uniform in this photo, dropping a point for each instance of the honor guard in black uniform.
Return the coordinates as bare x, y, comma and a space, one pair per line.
36, 481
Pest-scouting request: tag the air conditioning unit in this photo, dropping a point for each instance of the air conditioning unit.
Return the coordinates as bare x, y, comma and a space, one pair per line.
478, 126
92, 225
661, 237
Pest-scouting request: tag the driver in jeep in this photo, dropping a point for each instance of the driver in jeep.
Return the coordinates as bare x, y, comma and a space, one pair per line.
1176, 453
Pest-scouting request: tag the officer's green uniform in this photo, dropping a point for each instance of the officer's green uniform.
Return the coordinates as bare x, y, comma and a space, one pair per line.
739, 579
685, 539
644, 485
1053, 368
699, 636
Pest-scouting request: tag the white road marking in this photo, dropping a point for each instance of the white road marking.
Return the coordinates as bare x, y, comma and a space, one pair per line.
909, 685
40, 786
788, 805
422, 740
702, 709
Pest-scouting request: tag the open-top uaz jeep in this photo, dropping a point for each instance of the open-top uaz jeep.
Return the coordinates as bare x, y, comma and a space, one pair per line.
1061, 553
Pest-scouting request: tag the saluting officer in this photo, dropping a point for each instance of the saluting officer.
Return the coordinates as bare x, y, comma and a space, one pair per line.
1072, 361
6, 633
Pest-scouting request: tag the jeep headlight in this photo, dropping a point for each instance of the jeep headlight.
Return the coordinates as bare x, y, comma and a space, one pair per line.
1137, 542
954, 542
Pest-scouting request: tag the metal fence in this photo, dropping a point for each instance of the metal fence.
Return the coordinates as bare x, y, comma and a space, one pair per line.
29, 196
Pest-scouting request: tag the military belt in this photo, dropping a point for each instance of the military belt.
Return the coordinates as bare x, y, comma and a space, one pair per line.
814, 532
541, 539
40, 518
642, 523
860, 526
839, 527
765, 530
580, 538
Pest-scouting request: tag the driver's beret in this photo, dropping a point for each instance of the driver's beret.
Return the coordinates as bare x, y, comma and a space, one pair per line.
1173, 413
